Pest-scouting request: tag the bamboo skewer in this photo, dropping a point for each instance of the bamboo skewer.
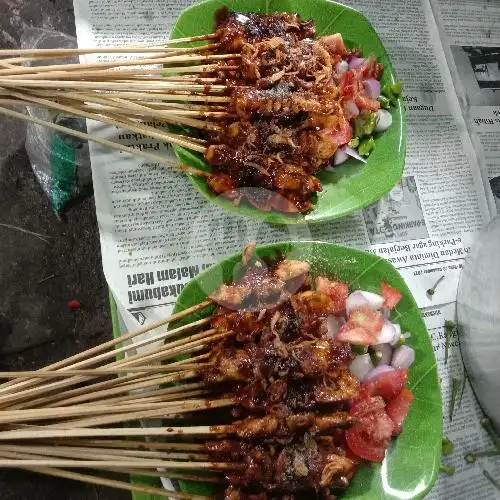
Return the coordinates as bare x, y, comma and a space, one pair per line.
156, 394
27, 453
112, 354
45, 433
193, 406
190, 344
93, 464
120, 444
161, 96
89, 353
100, 85
167, 58
186, 404
116, 73
99, 372
110, 144
153, 396
61, 384
142, 129
98, 480
170, 475
151, 53
106, 50
100, 453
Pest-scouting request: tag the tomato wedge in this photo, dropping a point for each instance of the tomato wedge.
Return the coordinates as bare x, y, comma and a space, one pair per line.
336, 290
371, 321
398, 409
370, 436
334, 44
387, 385
391, 295
341, 134
356, 335
364, 102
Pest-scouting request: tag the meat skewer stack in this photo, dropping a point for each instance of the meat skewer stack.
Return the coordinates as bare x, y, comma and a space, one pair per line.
262, 400
264, 102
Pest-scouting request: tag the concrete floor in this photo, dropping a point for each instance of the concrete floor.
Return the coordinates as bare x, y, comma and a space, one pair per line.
36, 327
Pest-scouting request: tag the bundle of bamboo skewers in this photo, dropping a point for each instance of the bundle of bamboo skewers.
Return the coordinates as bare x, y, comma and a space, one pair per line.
69, 415
167, 83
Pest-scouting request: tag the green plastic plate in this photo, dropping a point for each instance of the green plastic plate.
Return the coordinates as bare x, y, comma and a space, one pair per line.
352, 185
412, 462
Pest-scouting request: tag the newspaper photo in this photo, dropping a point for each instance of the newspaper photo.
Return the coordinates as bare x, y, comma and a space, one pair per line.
157, 231
470, 35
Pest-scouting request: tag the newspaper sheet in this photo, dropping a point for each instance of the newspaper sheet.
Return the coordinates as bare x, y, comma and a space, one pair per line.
157, 232
470, 33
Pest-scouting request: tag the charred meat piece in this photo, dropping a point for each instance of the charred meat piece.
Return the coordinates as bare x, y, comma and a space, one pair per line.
311, 308
261, 287
289, 269
337, 387
226, 450
229, 364
236, 28
319, 356
308, 465
230, 296
340, 386
252, 428
244, 324
278, 426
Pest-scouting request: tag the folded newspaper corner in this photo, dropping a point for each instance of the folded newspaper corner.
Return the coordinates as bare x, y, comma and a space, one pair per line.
447, 56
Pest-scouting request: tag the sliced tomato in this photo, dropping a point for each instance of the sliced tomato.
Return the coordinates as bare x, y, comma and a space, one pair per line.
370, 320
336, 290
334, 44
398, 409
355, 335
361, 446
347, 78
347, 84
391, 295
370, 436
366, 405
364, 102
340, 134
387, 384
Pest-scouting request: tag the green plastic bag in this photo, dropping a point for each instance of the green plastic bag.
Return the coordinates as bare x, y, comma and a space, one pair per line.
61, 163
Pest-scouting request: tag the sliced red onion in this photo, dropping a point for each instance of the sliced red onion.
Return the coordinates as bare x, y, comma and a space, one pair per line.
378, 371
403, 357
388, 334
361, 366
386, 312
397, 338
356, 62
340, 157
333, 324
341, 67
352, 152
385, 351
383, 120
372, 88
359, 299
352, 108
